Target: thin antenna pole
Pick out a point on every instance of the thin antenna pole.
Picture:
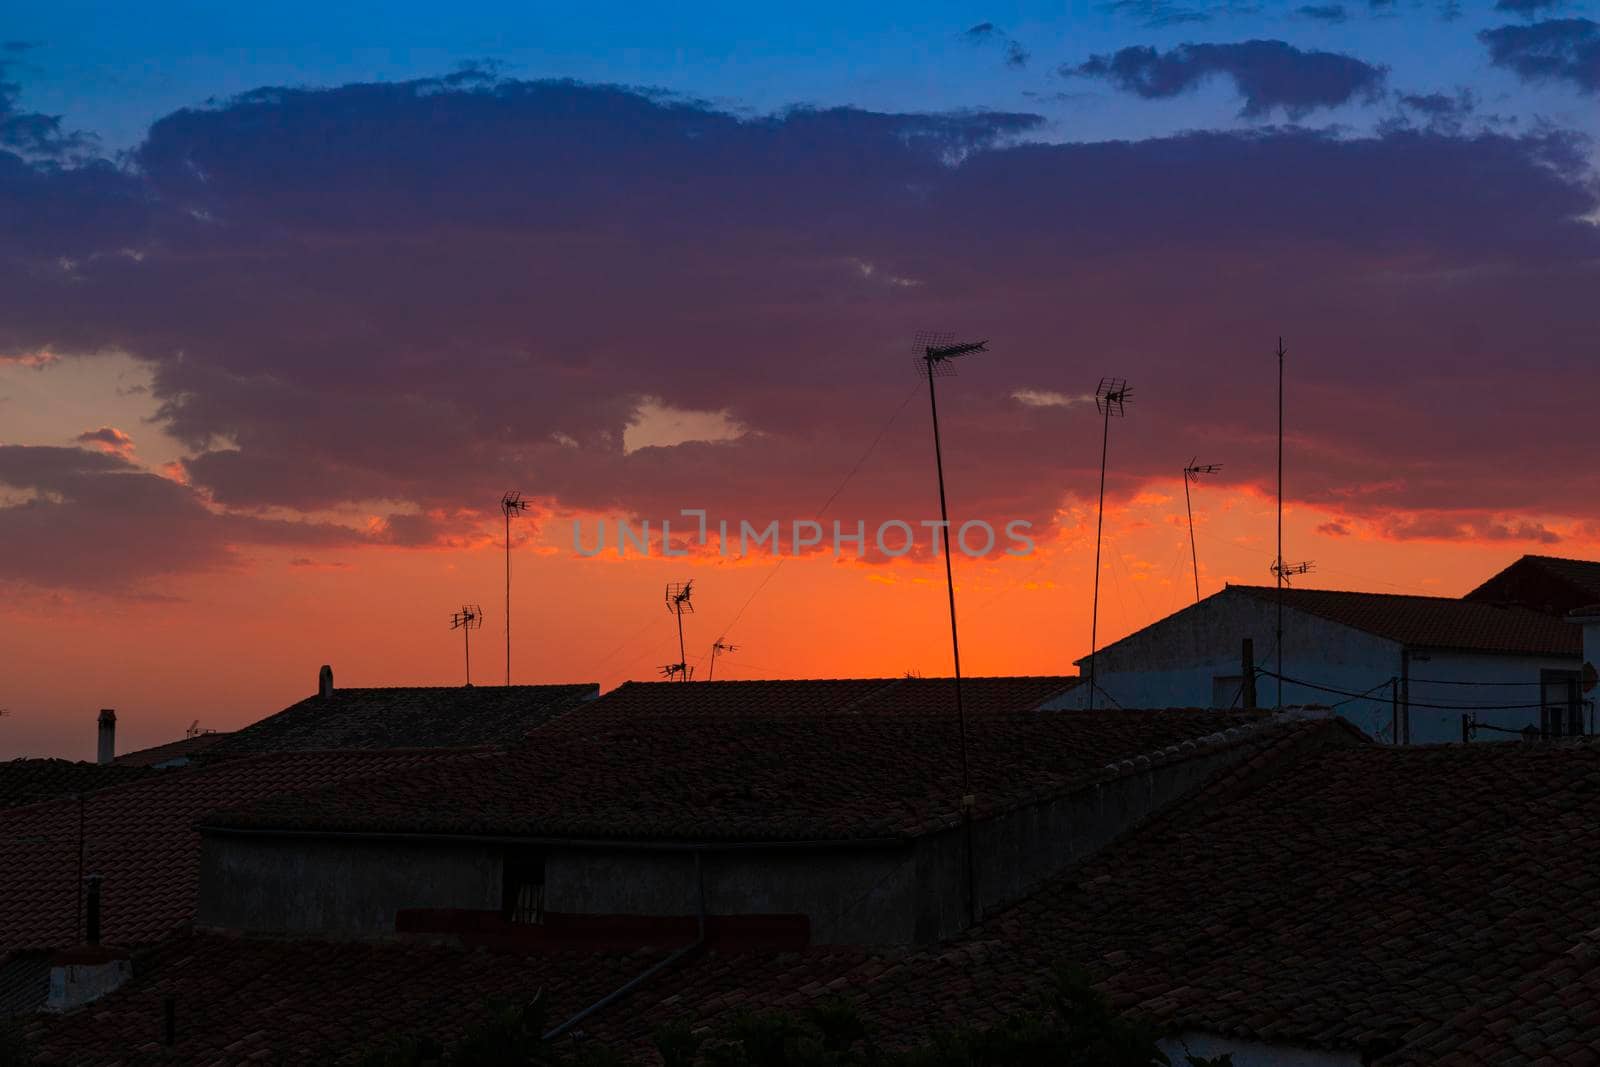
(508, 594)
(949, 583)
(1094, 613)
(1193, 554)
(1278, 644)
(682, 657)
(466, 643)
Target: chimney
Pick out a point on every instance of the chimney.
(325, 682)
(108, 735)
(90, 971)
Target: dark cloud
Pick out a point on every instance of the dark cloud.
(92, 520)
(1439, 105)
(1155, 13)
(1553, 50)
(1325, 12)
(428, 292)
(30, 133)
(1333, 529)
(1525, 7)
(1016, 55)
(1269, 74)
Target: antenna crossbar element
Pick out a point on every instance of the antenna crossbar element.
(679, 603)
(1283, 571)
(937, 351)
(1112, 397)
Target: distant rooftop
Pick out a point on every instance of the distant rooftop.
(1443, 623)
(843, 696)
(170, 753)
(408, 717)
(610, 770)
(1548, 584)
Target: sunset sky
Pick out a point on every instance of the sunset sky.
(290, 295)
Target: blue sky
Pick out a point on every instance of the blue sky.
(112, 69)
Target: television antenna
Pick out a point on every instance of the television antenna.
(1110, 399)
(1192, 473)
(468, 619)
(716, 647)
(511, 503)
(936, 353)
(1283, 571)
(679, 603)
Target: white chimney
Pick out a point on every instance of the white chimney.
(325, 682)
(108, 735)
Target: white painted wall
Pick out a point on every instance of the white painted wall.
(1252, 1053)
(1177, 662)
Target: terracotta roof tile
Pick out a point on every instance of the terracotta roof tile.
(1436, 622)
(139, 837)
(29, 781)
(610, 770)
(182, 748)
(408, 717)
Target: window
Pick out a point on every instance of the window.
(1562, 713)
(522, 892)
(1227, 691)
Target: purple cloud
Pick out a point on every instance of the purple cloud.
(428, 292)
(1269, 75)
(1554, 50)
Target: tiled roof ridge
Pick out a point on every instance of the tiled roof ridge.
(439, 688)
(1369, 593)
(1280, 737)
(235, 760)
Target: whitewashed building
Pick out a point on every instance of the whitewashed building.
(1412, 669)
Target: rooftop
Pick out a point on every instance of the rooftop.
(1316, 896)
(139, 837)
(1549, 584)
(29, 781)
(610, 770)
(182, 749)
(1442, 623)
(845, 696)
(408, 717)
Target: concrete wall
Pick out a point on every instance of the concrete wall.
(341, 887)
(1175, 663)
(1432, 678)
(1019, 850)
(851, 895)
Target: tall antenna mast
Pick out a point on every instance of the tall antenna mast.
(679, 604)
(510, 504)
(1192, 473)
(718, 646)
(1277, 566)
(469, 618)
(936, 356)
(1111, 398)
